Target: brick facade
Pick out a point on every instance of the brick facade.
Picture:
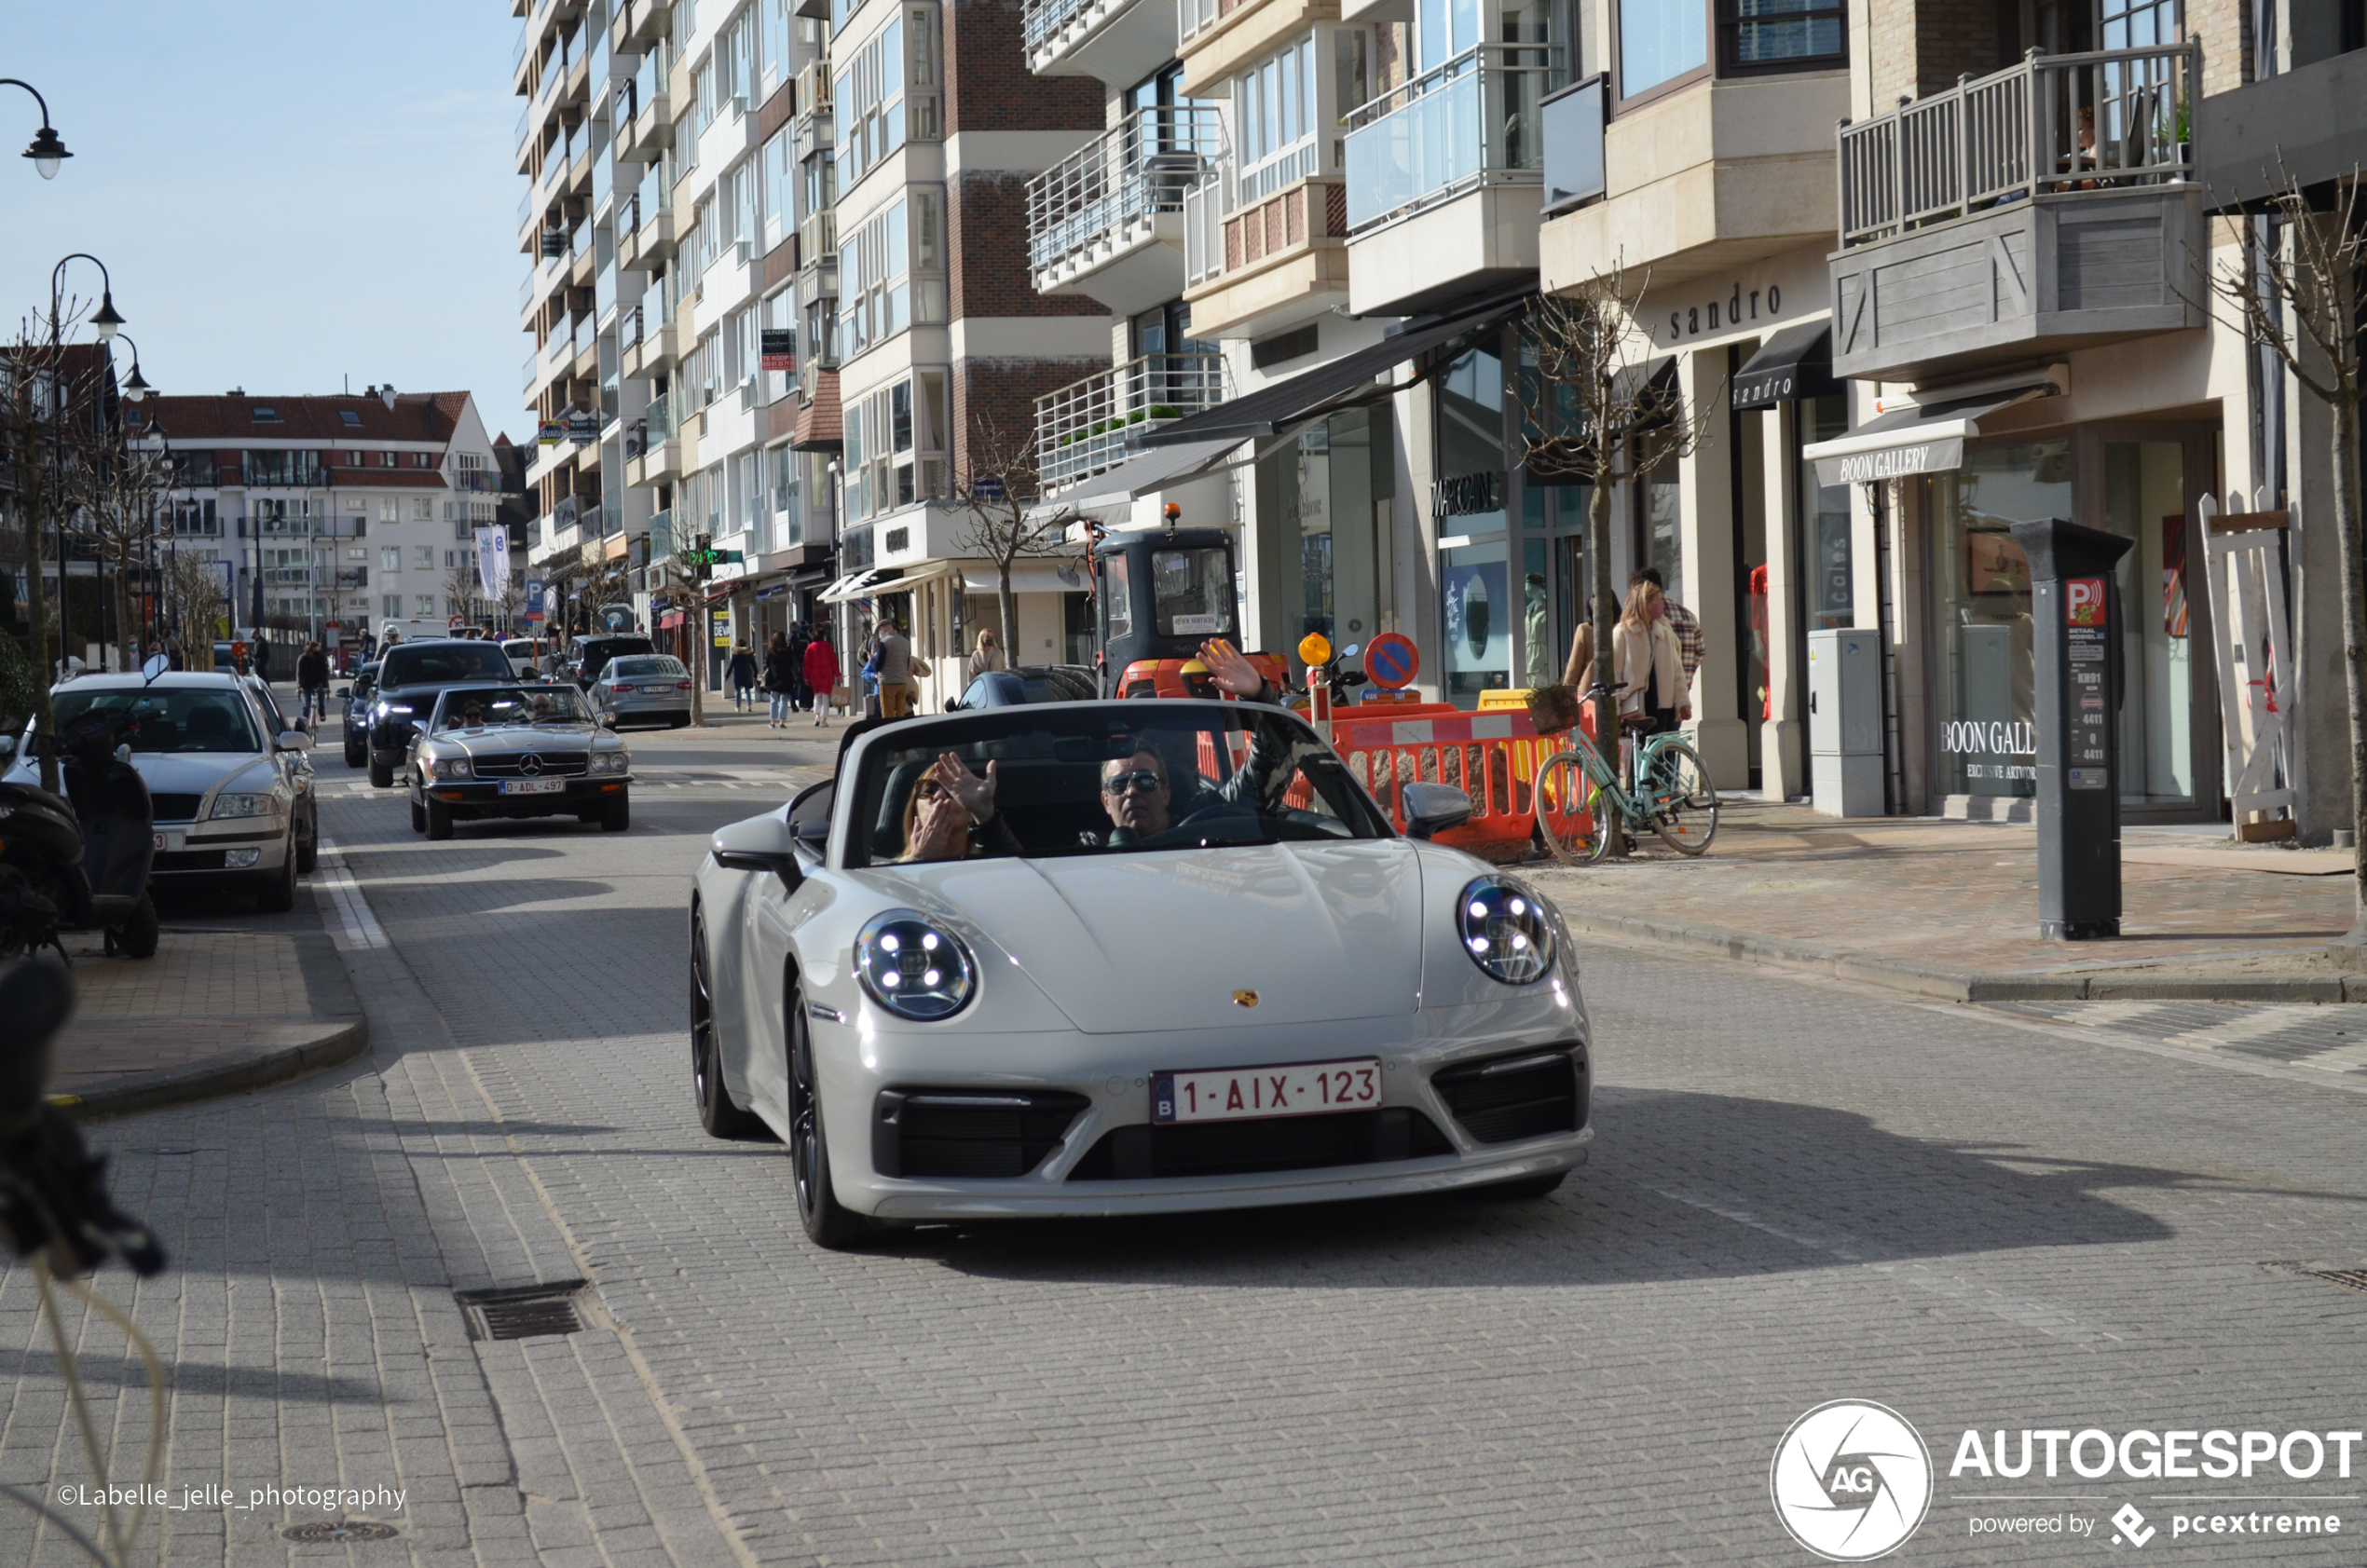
(999, 395)
(986, 252)
(988, 85)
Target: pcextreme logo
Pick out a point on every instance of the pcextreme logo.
(1851, 1481)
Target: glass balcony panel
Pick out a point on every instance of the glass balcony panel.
(1471, 122)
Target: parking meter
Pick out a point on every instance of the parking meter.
(2075, 647)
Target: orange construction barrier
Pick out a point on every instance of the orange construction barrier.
(1491, 755)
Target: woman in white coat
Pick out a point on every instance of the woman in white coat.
(1645, 654)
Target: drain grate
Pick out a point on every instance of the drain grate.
(2350, 1279)
(339, 1530)
(523, 1312)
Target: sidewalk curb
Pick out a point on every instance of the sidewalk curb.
(1776, 952)
(340, 1041)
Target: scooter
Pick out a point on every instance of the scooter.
(80, 861)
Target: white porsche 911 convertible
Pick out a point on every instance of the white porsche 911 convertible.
(1121, 957)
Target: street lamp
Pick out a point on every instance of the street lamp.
(135, 386)
(103, 320)
(47, 151)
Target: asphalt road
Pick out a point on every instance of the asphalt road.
(1800, 1193)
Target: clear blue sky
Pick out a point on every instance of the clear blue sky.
(286, 193)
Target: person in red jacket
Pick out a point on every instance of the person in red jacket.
(821, 673)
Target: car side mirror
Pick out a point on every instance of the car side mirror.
(1431, 808)
(295, 739)
(7, 745)
(344, 693)
(758, 844)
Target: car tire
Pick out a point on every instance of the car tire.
(307, 855)
(419, 815)
(278, 896)
(718, 1115)
(381, 774)
(357, 756)
(826, 1222)
(616, 815)
(137, 936)
(436, 821)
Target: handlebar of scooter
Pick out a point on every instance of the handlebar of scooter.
(53, 1191)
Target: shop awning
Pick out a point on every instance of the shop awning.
(851, 586)
(1028, 577)
(1138, 476)
(1926, 438)
(882, 579)
(1347, 379)
(1796, 363)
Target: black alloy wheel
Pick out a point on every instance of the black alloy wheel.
(717, 1113)
(826, 1222)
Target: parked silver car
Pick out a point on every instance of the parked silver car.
(642, 689)
(225, 788)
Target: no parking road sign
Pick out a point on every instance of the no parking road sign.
(1389, 658)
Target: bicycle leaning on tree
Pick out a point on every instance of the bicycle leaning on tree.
(1582, 800)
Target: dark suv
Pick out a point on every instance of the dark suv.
(587, 656)
(411, 677)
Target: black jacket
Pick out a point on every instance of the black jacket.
(781, 671)
(312, 672)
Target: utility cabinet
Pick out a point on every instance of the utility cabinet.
(1845, 721)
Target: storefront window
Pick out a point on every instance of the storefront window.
(2145, 500)
(1987, 740)
(1554, 520)
(1662, 529)
(1826, 571)
(1477, 620)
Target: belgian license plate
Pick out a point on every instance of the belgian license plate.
(533, 786)
(169, 842)
(1248, 1092)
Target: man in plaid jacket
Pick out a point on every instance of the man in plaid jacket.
(1684, 622)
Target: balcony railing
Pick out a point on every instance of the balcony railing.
(1224, 232)
(1140, 168)
(1472, 122)
(1044, 21)
(2074, 122)
(1094, 424)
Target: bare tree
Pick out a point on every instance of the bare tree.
(194, 596)
(1592, 412)
(1008, 520)
(464, 592)
(34, 405)
(117, 500)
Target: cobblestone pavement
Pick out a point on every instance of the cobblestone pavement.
(2325, 1039)
(1802, 1191)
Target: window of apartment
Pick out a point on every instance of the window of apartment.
(390, 559)
(779, 164)
(708, 384)
(392, 606)
(348, 417)
(707, 225)
(423, 510)
(281, 468)
(748, 491)
(388, 510)
(1276, 115)
(894, 452)
(734, 62)
(423, 606)
(891, 270)
(773, 46)
(451, 559)
(423, 558)
(1664, 42)
(887, 94)
(781, 465)
(460, 528)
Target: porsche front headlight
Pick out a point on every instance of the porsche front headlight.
(1506, 930)
(913, 967)
(244, 805)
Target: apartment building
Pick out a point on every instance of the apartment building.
(1920, 269)
(331, 517)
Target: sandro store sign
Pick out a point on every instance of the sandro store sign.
(1789, 288)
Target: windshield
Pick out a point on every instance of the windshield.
(1192, 591)
(645, 665)
(414, 662)
(507, 707)
(174, 720)
(1102, 780)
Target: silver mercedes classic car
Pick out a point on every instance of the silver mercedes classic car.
(498, 750)
(1101, 958)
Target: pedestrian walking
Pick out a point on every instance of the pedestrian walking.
(894, 661)
(742, 679)
(312, 682)
(262, 654)
(986, 659)
(801, 638)
(821, 675)
(780, 679)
